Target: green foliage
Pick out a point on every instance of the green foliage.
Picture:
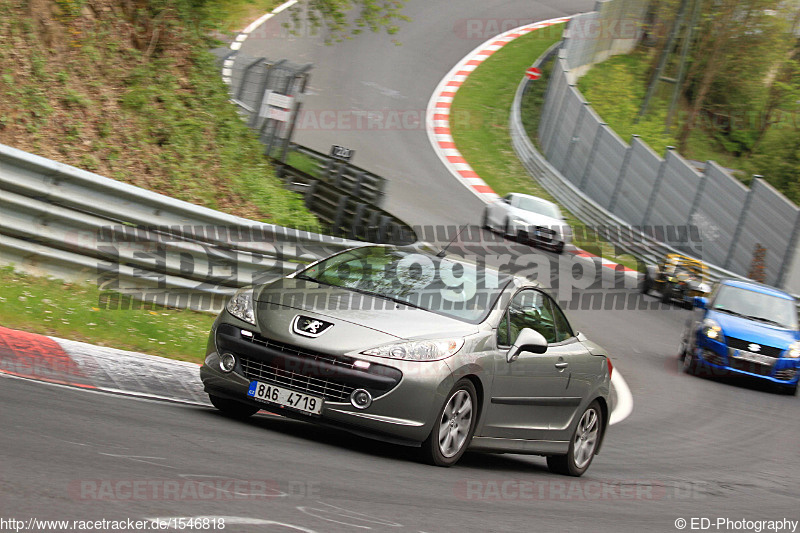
(616, 89)
(334, 16)
(70, 8)
(72, 311)
(479, 125)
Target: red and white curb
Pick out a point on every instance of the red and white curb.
(100, 369)
(77, 364)
(438, 112)
(236, 45)
(438, 122)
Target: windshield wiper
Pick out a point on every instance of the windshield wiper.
(315, 280)
(767, 320)
(386, 297)
(730, 312)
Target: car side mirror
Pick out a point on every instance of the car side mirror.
(528, 340)
(700, 302)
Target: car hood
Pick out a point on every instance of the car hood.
(537, 219)
(753, 330)
(359, 321)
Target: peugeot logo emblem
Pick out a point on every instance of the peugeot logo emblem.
(753, 347)
(310, 327)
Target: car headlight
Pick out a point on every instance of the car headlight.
(418, 350)
(712, 330)
(793, 352)
(518, 222)
(241, 305)
(704, 287)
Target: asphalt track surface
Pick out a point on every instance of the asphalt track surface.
(692, 447)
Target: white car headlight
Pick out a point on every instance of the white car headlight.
(516, 221)
(713, 330)
(418, 350)
(241, 305)
(793, 352)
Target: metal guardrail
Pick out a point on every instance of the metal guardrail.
(61, 221)
(628, 238)
(344, 211)
(369, 187)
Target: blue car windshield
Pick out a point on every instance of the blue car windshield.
(755, 305)
(452, 288)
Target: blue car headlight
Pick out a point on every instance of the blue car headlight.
(793, 352)
(712, 330)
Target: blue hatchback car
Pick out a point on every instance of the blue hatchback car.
(745, 328)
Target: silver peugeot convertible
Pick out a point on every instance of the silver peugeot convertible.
(417, 349)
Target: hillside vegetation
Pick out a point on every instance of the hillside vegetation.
(739, 97)
(128, 89)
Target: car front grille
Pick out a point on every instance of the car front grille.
(741, 344)
(750, 366)
(543, 233)
(713, 357)
(288, 349)
(328, 388)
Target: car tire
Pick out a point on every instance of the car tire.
(688, 362)
(454, 426)
(583, 444)
(666, 294)
(485, 220)
(559, 248)
(646, 284)
(232, 408)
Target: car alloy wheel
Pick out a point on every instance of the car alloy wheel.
(583, 445)
(454, 426)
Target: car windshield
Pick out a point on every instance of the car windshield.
(755, 305)
(541, 207)
(459, 290)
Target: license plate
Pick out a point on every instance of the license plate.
(267, 392)
(754, 357)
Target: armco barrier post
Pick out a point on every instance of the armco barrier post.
(656, 186)
(574, 139)
(621, 177)
(788, 257)
(738, 233)
(701, 186)
(590, 161)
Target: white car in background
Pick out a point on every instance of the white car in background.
(528, 218)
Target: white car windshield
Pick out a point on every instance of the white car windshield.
(540, 207)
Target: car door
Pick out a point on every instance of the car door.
(534, 396)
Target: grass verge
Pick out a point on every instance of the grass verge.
(70, 311)
(479, 126)
(616, 88)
